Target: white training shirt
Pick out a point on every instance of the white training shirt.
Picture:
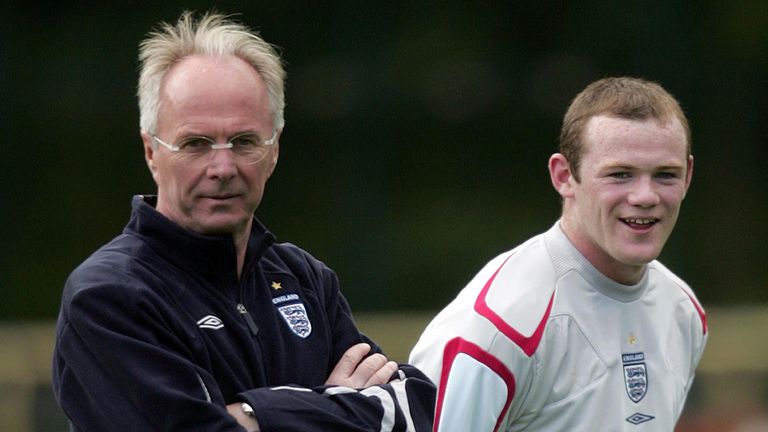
(540, 340)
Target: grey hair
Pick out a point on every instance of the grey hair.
(214, 35)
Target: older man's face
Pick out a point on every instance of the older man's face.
(219, 98)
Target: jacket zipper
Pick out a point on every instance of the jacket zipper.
(248, 320)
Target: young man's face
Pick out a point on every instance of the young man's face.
(634, 175)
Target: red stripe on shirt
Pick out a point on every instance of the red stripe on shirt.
(699, 309)
(527, 343)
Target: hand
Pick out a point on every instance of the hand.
(249, 423)
(354, 373)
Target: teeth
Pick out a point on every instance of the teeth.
(639, 221)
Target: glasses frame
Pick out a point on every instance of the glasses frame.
(213, 146)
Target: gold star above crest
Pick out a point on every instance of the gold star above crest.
(632, 339)
(277, 285)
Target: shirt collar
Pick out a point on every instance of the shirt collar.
(566, 257)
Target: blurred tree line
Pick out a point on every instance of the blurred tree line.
(416, 141)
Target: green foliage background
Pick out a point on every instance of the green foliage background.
(416, 140)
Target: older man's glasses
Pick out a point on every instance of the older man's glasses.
(249, 146)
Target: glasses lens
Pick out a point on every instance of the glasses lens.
(249, 146)
(195, 145)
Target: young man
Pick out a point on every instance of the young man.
(194, 318)
(580, 328)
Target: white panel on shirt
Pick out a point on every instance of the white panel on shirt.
(519, 301)
(466, 410)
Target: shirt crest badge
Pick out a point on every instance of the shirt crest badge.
(295, 315)
(635, 376)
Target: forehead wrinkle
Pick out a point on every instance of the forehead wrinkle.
(194, 131)
(222, 95)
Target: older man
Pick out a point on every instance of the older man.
(194, 318)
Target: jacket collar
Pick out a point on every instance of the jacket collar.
(213, 256)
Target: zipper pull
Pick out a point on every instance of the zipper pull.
(248, 320)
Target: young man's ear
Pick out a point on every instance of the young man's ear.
(561, 176)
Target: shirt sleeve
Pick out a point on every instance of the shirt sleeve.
(475, 389)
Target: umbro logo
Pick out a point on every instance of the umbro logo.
(210, 322)
(638, 418)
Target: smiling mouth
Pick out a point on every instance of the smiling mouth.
(639, 223)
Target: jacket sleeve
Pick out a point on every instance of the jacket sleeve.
(344, 329)
(118, 365)
(405, 404)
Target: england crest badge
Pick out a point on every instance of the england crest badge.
(295, 315)
(635, 376)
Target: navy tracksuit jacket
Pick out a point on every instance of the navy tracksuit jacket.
(157, 333)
